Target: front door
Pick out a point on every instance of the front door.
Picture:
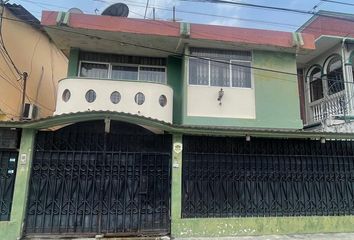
(87, 182)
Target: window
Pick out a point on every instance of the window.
(125, 72)
(139, 98)
(152, 74)
(198, 71)
(90, 96)
(335, 80)
(221, 68)
(94, 70)
(241, 74)
(219, 74)
(163, 100)
(316, 87)
(115, 97)
(66, 95)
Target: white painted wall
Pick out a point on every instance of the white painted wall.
(103, 88)
(236, 102)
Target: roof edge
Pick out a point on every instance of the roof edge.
(72, 118)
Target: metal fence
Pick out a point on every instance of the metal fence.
(230, 177)
(8, 165)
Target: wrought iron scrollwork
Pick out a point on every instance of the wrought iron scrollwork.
(8, 165)
(230, 177)
(87, 182)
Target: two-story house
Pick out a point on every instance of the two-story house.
(181, 130)
(326, 80)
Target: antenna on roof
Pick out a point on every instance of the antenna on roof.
(75, 10)
(117, 10)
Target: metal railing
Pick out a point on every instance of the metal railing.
(325, 108)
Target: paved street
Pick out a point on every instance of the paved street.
(338, 236)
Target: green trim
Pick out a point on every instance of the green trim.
(185, 29)
(73, 67)
(65, 119)
(66, 18)
(229, 227)
(176, 186)
(174, 79)
(13, 229)
(60, 17)
(351, 58)
(185, 72)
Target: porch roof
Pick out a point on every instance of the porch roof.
(71, 118)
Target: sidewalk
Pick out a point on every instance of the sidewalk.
(334, 236)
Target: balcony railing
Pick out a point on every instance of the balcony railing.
(141, 98)
(325, 108)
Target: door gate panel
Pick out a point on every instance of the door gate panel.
(8, 165)
(230, 177)
(85, 182)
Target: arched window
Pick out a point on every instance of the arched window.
(335, 80)
(316, 87)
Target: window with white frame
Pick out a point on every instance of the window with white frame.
(122, 67)
(122, 72)
(316, 86)
(94, 70)
(221, 68)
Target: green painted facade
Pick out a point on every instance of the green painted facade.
(230, 227)
(12, 229)
(73, 62)
(196, 227)
(276, 95)
(175, 80)
(277, 106)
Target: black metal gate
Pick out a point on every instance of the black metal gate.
(8, 165)
(230, 177)
(87, 182)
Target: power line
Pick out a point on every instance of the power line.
(338, 2)
(255, 6)
(161, 50)
(133, 3)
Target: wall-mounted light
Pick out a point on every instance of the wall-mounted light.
(221, 94)
(248, 138)
(323, 140)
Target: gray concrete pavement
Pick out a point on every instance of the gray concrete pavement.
(336, 236)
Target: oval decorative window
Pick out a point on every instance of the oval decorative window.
(163, 100)
(90, 96)
(66, 95)
(139, 98)
(115, 97)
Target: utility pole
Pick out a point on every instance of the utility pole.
(174, 13)
(146, 8)
(25, 75)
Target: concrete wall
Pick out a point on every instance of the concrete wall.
(34, 53)
(127, 89)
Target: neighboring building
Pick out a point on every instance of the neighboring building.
(327, 85)
(31, 51)
(176, 129)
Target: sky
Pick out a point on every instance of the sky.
(223, 14)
